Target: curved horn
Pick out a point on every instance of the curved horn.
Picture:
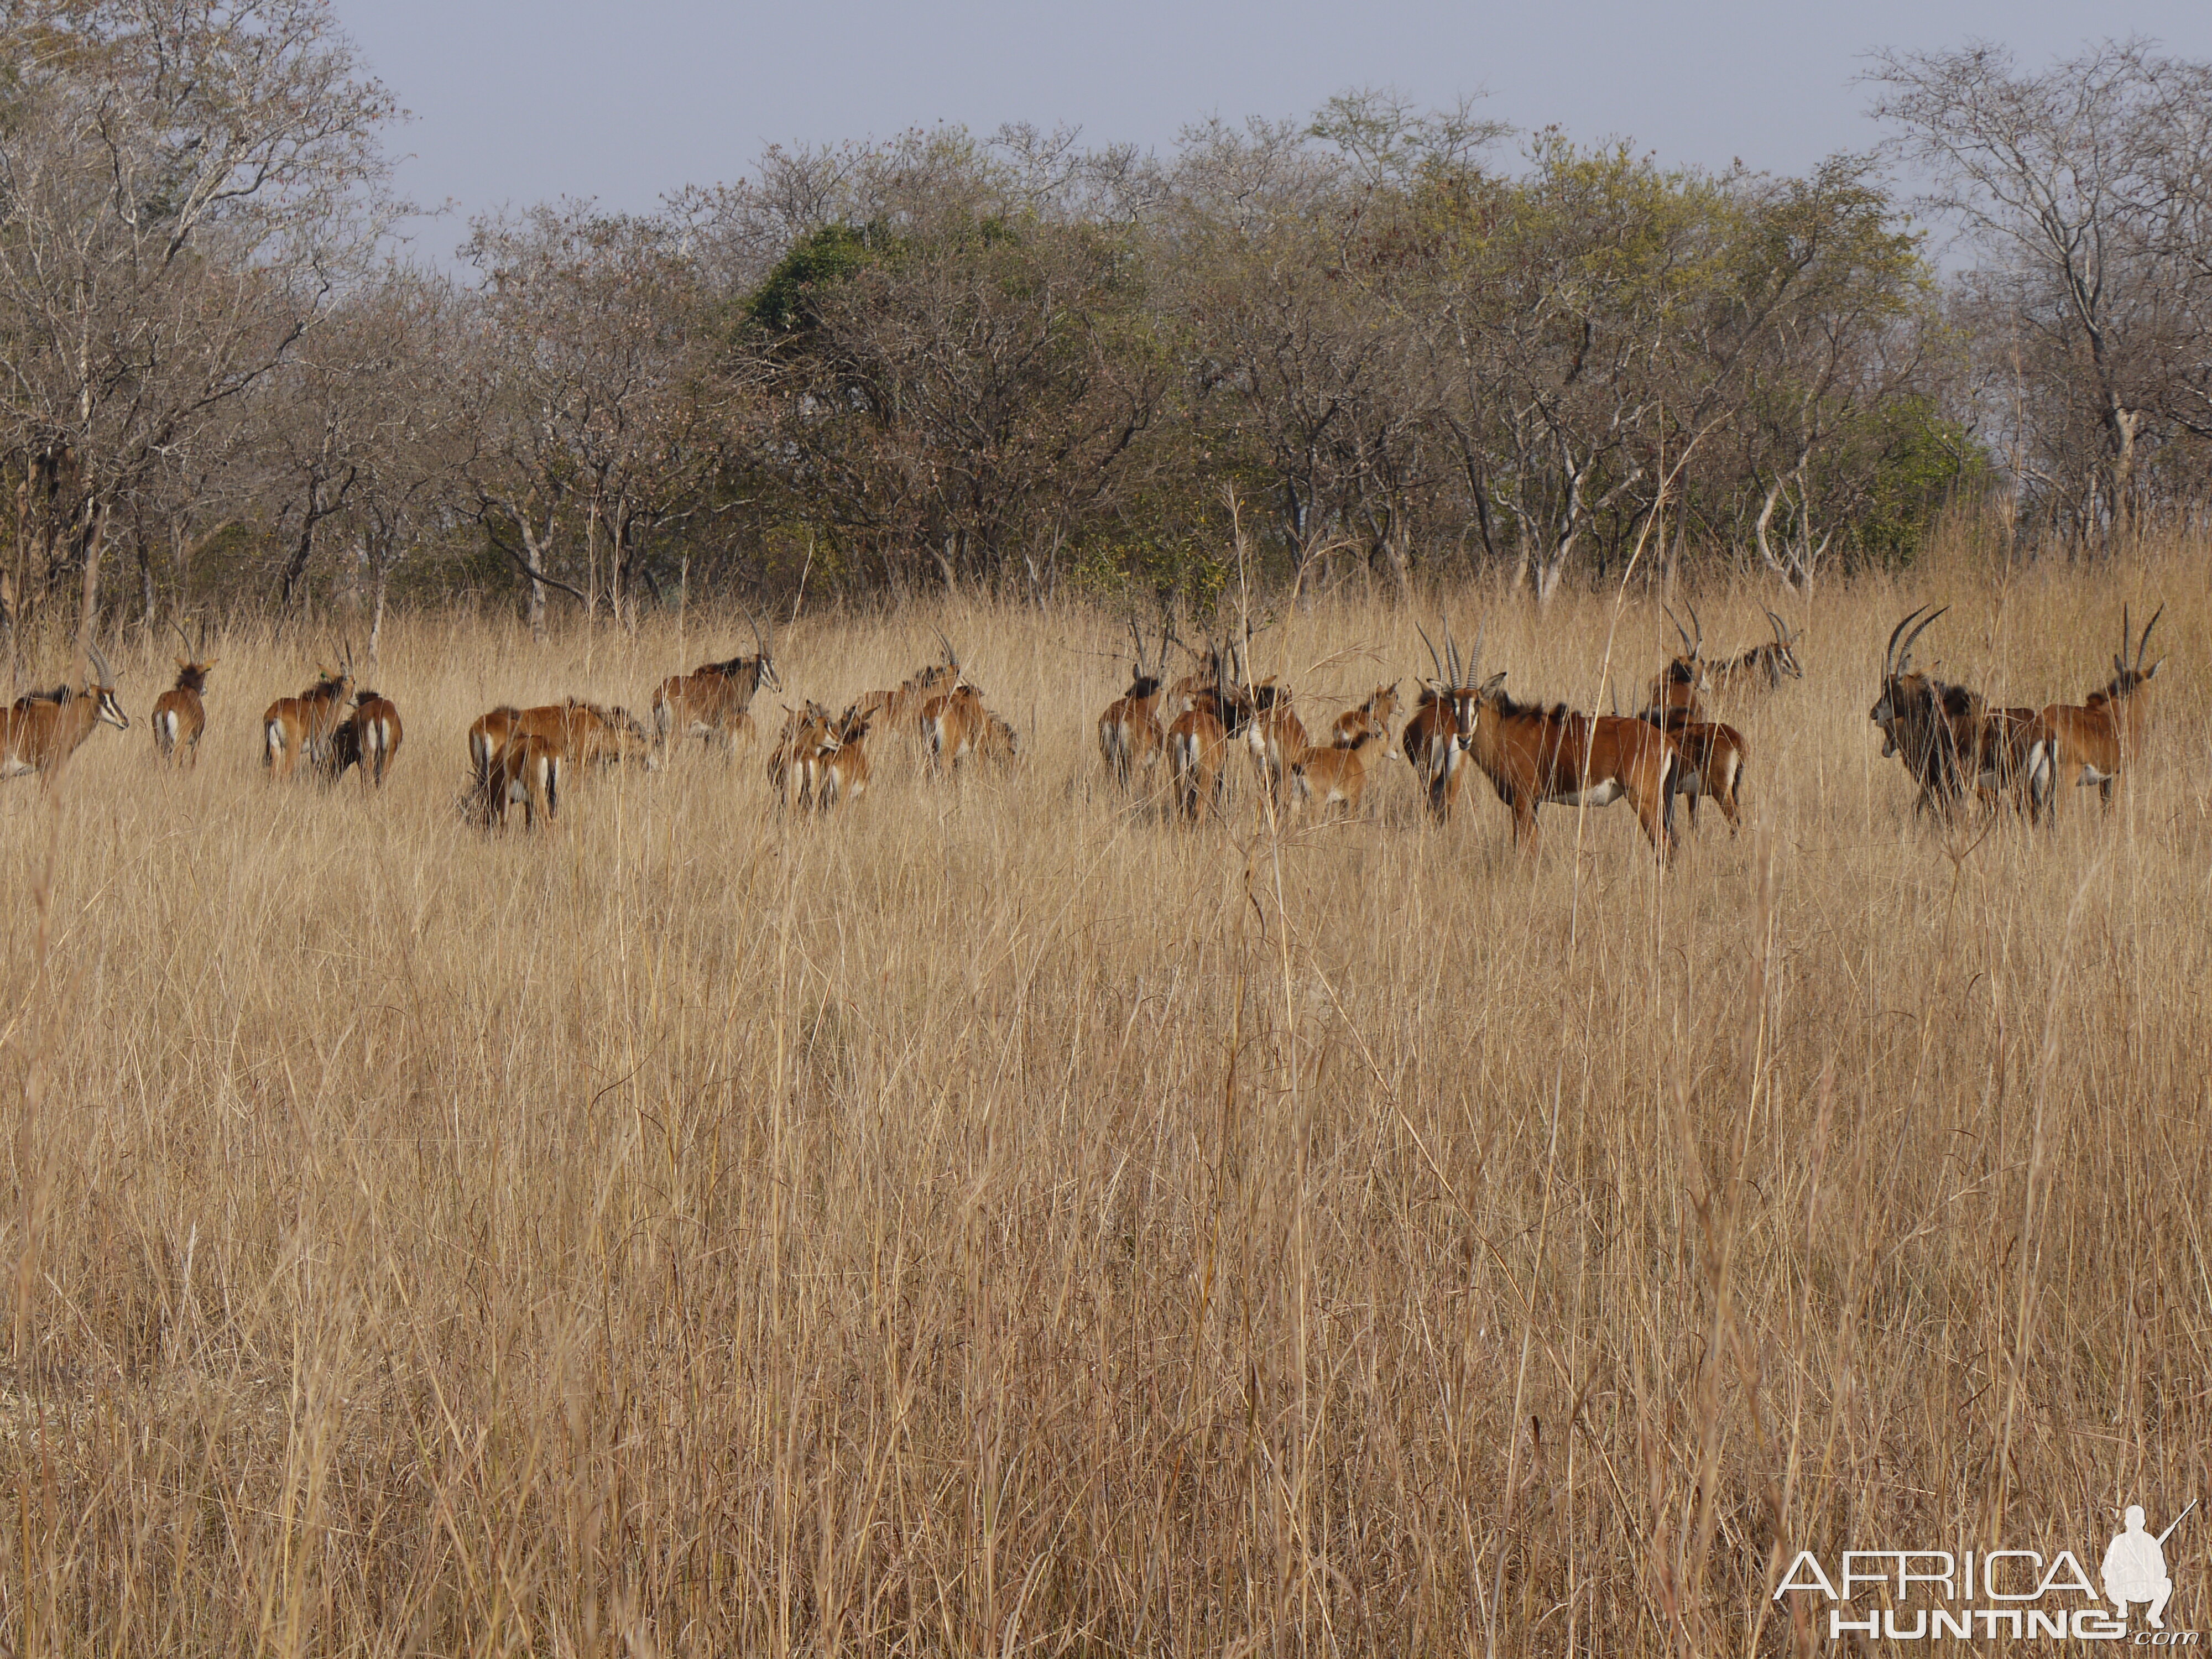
(759, 645)
(1451, 655)
(1781, 627)
(1889, 655)
(1474, 662)
(1698, 644)
(99, 663)
(1688, 644)
(2127, 640)
(1435, 661)
(2144, 644)
(951, 656)
(190, 654)
(1904, 652)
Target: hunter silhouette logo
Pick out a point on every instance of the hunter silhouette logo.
(2135, 1567)
(1926, 1595)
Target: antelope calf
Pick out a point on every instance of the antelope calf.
(39, 733)
(1371, 717)
(1711, 763)
(805, 728)
(180, 717)
(1335, 775)
(837, 763)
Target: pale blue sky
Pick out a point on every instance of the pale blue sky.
(516, 100)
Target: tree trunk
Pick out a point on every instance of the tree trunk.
(88, 616)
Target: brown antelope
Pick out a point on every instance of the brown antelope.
(1372, 717)
(525, 772)
(1532, 754)
(368, 737)
(1129, 734)
(1679, 687)
(715, 699)
(583, 733)
(836, 764)
(180, 717)
(292, 727)
(1923, 719)
(2092, 741)
(1431, 737)
(1277, 736)
(1710, 762)
(1198, 739)
(1336, 775)
(39, 733)
(804, 730)
(1754, 673)
(1000, 744)
(952, 722)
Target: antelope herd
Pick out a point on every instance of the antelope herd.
(1948, 738)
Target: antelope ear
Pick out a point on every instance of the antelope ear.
(1492, 685)
(181, 663)
(2151, 671)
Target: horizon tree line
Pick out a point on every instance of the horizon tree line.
(1384, 343)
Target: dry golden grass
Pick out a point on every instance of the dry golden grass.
(999, 1221)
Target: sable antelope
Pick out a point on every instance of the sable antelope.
(369, 738)
(1923, 719)
(1129, 734)
(715, 699)
(1198, 739)
(952, 722)
(2094, 740)
(1678, 687)
(1760, 670)
(804, 730)
(180, 717)
(1710, 762)
(837, 763)
(583, 733)
(1276, 734)
(1000, 744)
(1431, 740)
(1532, 754)
(302, 726)
(1372, 717)
(1336, 775)
(525, 772)
(39, 733)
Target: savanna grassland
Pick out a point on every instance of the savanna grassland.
(1000, 1220)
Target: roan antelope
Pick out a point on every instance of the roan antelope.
(1532, 754)
(2094, 740)
(1129, 735)
(368, 737)
(39, 733)
(292, 727)
(715, 699)
(180, 717)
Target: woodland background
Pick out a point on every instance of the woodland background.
(1400, 341)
